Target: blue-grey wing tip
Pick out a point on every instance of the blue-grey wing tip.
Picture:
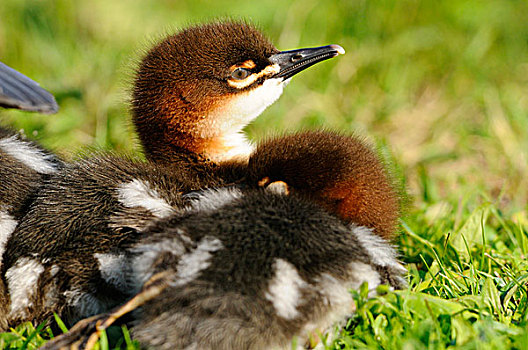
(20, 92)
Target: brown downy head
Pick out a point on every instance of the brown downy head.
(197, 89)
(339, 172)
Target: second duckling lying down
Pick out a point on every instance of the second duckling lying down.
(257, 271)
(249, 269)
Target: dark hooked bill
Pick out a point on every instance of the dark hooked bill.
(294, 61)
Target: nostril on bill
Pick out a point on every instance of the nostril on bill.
(296, 57)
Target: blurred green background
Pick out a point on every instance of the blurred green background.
(440, 85)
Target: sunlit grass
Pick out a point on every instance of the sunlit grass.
(442, 85)
(468, 286)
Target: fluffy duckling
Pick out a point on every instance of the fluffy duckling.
(250, 268)
(255, 273)
(23, 166)
(193, 94)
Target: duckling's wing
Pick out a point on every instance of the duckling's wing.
(18, 91)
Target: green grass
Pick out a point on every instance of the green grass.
(441, 86)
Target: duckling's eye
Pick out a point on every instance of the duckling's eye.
(240, 73)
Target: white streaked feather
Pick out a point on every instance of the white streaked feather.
(213, 199)
(284, 290)
(191, 264)
(361, 273)
(138, 194)
(22, 280)
(378, 249)
(28, 154)
(113, 269)
(7, 226)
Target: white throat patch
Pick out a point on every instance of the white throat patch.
(229, 119)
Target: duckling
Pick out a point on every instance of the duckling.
(20, 92)
(193, 94)
(265, 267)
(255, 273)
(24, 167)
(250, 268)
